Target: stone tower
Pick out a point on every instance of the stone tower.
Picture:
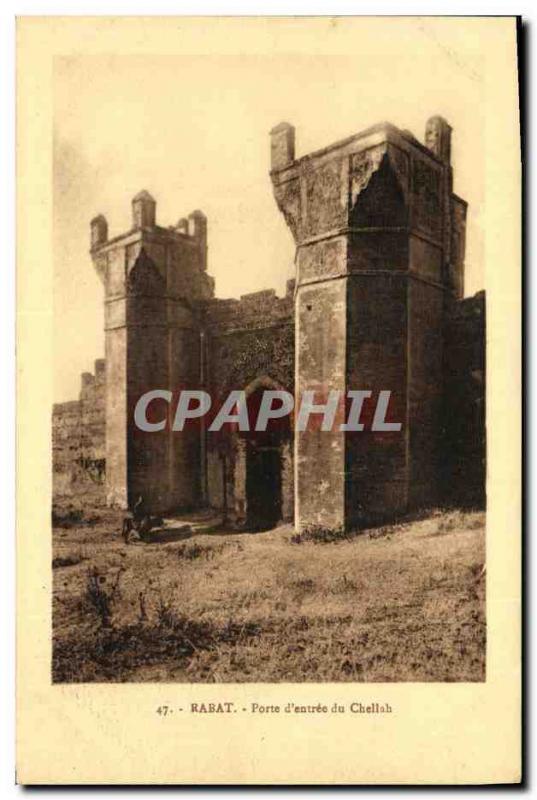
(379, 255)
(154, 279)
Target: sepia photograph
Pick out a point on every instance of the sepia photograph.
(269, 445)
(269, 419)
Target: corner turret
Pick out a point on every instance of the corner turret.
(198, 230)
(144, 210)
(282, 146)
(98, 231)
(438, 138)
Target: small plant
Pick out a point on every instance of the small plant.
(143, 612)
(68, 560)
(321, 535)
(452, 521)
(165, 615)
(102, 593)
(190, 552)
(344, 585)
(67, 517)
(73, 517)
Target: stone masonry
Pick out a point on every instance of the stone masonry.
(377, 304)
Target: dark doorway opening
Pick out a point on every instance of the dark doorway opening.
(263, 487)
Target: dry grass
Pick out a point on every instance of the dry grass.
(401, 603)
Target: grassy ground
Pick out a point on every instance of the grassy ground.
(400, 603)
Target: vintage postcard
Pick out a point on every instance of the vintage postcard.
(269, 494)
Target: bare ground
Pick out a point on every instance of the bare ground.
(198, 604)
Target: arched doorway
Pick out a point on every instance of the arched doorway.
(264, 462)
(250, 473)
(263, 486)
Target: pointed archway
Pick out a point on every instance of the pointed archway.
(264, 455)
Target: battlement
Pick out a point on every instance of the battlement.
(89, 383)
(193, 227)
(379, 199)
(65, 408)
(260, 309)
(169, 263)
(437, 142)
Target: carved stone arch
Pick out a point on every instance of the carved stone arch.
(378, 196)
(144, 278)
(264, 464)
(263, 382)
(268, 353)
(288, 199)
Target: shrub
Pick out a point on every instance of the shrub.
(321, 535)
(101, 594)
(191, 552)
(67, 517)
(69, 560)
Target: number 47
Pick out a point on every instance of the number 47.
(163, 710)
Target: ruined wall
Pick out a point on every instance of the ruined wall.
(464, 428)
(250, 337)
(78, 440)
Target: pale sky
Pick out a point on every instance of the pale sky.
(194, 131)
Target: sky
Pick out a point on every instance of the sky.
(194, 131)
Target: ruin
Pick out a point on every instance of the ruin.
(377, 303)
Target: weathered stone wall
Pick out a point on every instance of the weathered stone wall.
(65, 446)
(424, 393)
(464, 428)
(78, 440)
(377, 462)
(251, 337)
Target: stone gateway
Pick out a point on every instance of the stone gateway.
(377, 304)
